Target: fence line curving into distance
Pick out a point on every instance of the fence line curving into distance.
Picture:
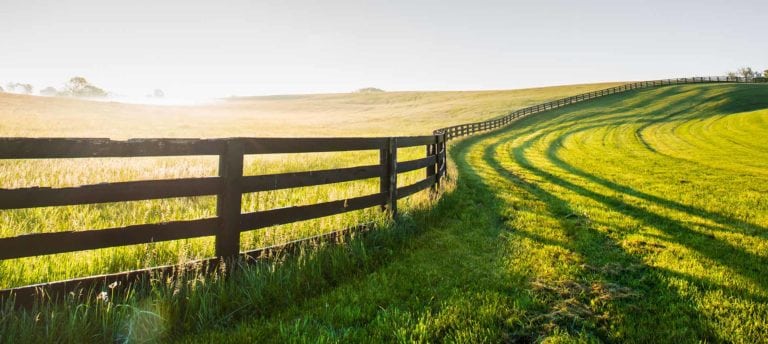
(472, 128)
(228, 188)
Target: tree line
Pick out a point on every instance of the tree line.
(749, 74)
(76, 87)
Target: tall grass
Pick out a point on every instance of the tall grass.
(198, 300)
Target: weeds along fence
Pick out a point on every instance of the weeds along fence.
(228, 187)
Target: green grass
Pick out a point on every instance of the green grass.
(634, 218)
(199, 302)
(399, 113)
(639, 217)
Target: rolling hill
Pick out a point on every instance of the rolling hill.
(635, 217)
(638, 217)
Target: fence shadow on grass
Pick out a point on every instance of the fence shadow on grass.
(740, 261)
(673, 107)
(723, 220)
(606, 264)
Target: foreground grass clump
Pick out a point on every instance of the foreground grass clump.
(635, 218)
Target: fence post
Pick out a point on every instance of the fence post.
(384, 177)
(432, 151)
(228, 201)
(392, 174)
(441, 156)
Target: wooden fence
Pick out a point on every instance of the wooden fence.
(472, 128)
(228, 187)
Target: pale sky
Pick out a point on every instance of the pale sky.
(221, 48)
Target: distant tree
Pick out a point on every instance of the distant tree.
(75, 85)
(79, 87)
(27, 88)
(765, 73)
(48, 91)
(19, 87)
(370, 90)
(746, 72)
(1, 89)
(158, 93)
(91, 91)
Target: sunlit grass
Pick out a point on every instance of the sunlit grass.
(16, 272)
(640, 217)
(351, 114)
(199, 302)
(343, 114)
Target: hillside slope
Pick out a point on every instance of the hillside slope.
(639, 217)
(352, 114)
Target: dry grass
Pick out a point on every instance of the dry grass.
(352, 114)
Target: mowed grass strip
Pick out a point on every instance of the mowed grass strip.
(640, 217)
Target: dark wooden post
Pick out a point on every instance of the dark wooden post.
(442, 158)
(432, 150)
(229, 200)
(392, 174)
(384, 178)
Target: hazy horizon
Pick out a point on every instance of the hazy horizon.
(197, 50)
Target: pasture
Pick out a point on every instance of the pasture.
(638, 217)
(345, 115)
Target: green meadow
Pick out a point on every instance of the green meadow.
(637, 217)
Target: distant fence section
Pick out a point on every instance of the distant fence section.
(229, 186)
(472, 128)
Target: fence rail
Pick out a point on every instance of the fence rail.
(229, 186)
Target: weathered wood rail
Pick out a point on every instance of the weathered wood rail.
(228, 187)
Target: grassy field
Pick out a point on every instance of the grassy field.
(169, 301)
(413, 113)
(348, 114)
(640, 217)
